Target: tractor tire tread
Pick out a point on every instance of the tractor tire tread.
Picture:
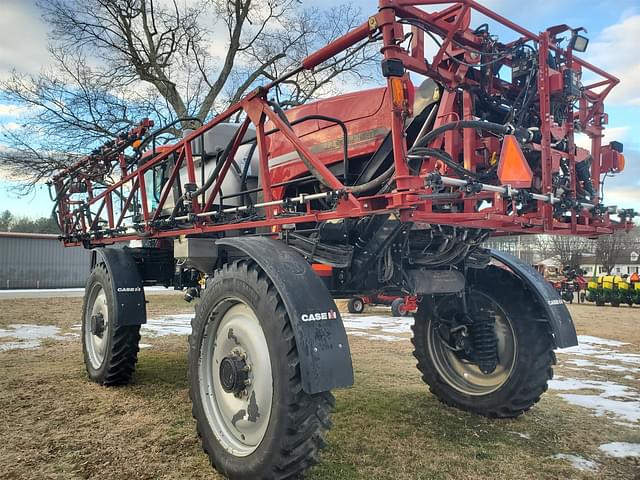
(124, 347)
(534, 379)
(308, 416)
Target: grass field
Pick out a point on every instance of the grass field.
(56, 425)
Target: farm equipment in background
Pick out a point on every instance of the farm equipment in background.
(391, 189)
(400, 306)
(614, 289)
(634, 288)
(570, 285)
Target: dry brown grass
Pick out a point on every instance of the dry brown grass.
(56, 425)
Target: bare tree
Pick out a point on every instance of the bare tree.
(569, 249)
(609, 248)
(116, 61)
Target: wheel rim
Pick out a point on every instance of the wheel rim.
(239, 420)
(464, 376)
(358, 306)
(97, 326)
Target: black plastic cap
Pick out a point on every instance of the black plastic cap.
(616, 146)
(392, 67)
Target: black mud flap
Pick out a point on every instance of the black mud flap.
(323, 347)
(126, 285)
(564, 332)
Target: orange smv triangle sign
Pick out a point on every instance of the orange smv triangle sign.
(513, 168)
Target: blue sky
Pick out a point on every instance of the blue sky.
(613, 28)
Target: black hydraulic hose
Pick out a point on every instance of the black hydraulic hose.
(376, 182)
(245, 173)
(165, 129)
(345, 135)
(425, 139)
(208, 183)
(56, 203)
(446, 158)
(312, 169)
(479, 124)
(355, 189)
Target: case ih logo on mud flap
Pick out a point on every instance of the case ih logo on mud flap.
(555, 302)
(128, 289)
(313, 317)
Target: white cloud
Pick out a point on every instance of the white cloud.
(615, 49)
(11, 126)
(23, 38)
(11, 110)
(620, 134)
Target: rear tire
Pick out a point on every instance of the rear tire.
(355, 305)
(506, 392)
(397, 308)
(271, 429)
(110, 351)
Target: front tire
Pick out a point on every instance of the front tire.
(253, 417)
(110, 351)
(524, 348)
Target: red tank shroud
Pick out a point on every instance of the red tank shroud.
(364, 115)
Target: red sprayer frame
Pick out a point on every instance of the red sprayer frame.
(411, 199)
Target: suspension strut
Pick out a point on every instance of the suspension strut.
(482, 334)
(485, 341)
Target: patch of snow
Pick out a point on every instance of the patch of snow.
(29, 332)
(621, 357)
(621, 449)
(28, 345)
(42, 290)
(145, 345)
(373, 336)
(600, 341)
(577, 462)
(168, 325)
(629, 411)
(581, 362)
(615, 368)
(609, 389)
(526, 436)
(618, 401)
(29, 336)
(385, 324)
(601, 352)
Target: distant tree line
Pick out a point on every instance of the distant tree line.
(11, 223)
(569, 250)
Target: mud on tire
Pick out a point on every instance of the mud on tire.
(297, 421)
(534, 357)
